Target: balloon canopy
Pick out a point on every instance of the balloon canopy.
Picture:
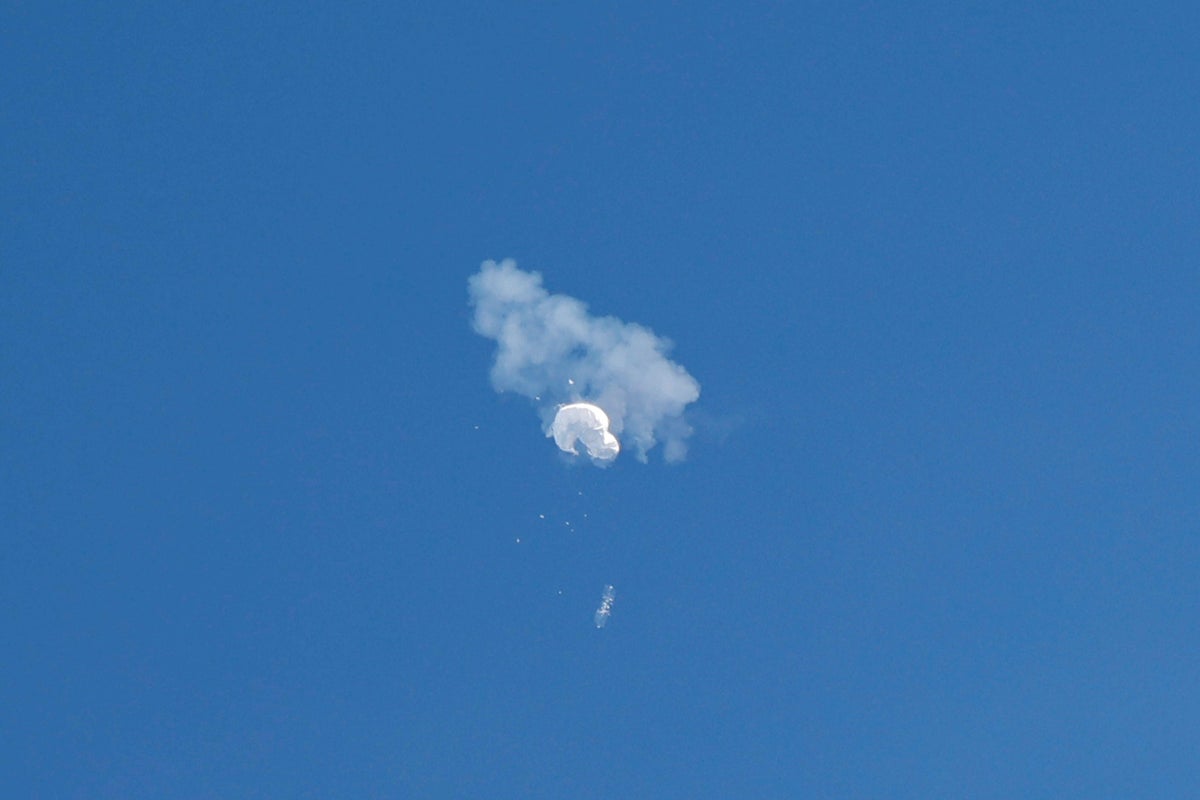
(586, 424)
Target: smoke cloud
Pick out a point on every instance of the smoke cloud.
(551, 350)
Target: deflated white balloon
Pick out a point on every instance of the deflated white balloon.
(588, 425)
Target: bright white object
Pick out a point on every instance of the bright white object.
(586, 424)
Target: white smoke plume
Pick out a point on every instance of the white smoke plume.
(551, 350)
(606, 604)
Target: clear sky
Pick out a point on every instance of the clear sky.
(269, 532)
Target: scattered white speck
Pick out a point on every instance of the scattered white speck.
(570, 382)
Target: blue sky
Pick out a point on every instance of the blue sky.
(936, 268)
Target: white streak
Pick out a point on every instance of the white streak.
(606, 604)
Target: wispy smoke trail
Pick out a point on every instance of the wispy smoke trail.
(551, 350)
(606, 603)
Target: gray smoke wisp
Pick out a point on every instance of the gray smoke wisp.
(551, 350)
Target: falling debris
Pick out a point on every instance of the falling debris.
(550, 349)
(606, 603)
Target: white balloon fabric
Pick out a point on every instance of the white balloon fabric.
(585, 424)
